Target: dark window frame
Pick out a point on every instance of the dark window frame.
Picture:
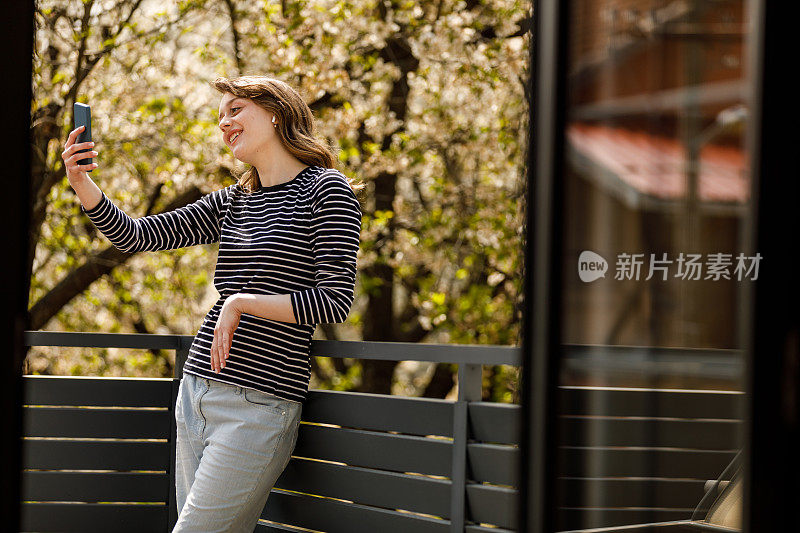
(772, 417)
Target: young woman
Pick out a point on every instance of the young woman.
(288, 234)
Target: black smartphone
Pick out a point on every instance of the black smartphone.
(82, 114)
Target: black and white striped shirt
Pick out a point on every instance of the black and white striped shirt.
(299, 238)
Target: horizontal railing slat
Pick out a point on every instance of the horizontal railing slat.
(686, 494)
(95, 486)
(494, 422)
(386, 451)
(95, 455)
(367, 486)
(492, 463)
(276, 528)
(599, 401)
(652, 462)
(96, 391)
(471, 528)
(85, 339)
(704, 435)
(375, 350)
(572, 519)
(404, 351)
(619, 361)
(633, 492)
(93, 518)
(96, 423)
(492, 505)
(413, 416)
(334, 516)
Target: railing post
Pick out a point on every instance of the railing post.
(181, 354)
(180, 357)
(469, 390)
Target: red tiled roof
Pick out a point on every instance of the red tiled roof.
(656, 166)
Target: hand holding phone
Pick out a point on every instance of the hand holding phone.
(71, 154)
(82, 116)
(79, 144)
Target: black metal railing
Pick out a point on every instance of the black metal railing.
(448, 465)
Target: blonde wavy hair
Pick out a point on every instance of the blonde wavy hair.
(296, 127)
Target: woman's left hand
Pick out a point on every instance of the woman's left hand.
(227, 322)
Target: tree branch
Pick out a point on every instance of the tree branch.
(235, 34)
(489, 33)
(95, 267)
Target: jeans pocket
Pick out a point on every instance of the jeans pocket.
(268, 401)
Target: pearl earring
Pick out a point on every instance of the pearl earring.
(273, 121)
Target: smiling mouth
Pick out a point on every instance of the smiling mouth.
(235, 137)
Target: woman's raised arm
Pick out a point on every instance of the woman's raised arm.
(196, 223)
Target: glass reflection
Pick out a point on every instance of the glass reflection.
(657, 196)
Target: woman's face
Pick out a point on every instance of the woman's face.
(252, 123)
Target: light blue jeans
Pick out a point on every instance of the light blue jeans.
(232, 445)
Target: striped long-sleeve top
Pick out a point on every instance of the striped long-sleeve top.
(300, 237)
